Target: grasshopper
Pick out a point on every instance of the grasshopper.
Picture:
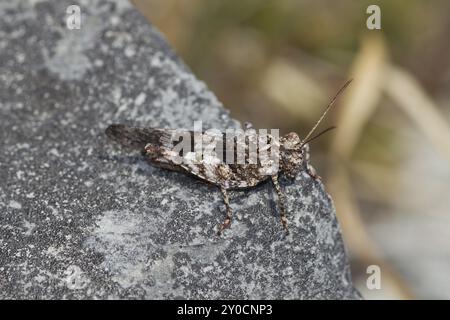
(292, 156)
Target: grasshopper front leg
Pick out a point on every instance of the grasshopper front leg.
(309, 168)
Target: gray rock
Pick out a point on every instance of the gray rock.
(81, 218)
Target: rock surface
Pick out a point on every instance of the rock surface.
(80, 218)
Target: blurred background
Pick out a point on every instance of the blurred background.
(277, 63)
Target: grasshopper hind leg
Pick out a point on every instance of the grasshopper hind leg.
(227, 222)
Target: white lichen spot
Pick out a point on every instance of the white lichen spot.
(75, 278)
(114, 20)
(20, 57)
(29, 227)
(15, 205)
(162, 270)
(116, 94)
(20, 174)
(207, 269)
(23, 146)
(140, 99)
(53, 251)
(54, 152)
(288, 271)
(122, 108)
(98, 63)
(129, 52)
(156, 60)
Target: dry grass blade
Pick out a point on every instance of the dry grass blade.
(409, 95)
(362, 97)
(358, 104)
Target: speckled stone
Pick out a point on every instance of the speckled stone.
(81, 218)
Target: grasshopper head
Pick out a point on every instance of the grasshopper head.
(292, 154)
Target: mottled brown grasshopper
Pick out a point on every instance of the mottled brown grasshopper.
(288, 155)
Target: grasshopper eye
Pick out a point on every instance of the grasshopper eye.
(291, 141)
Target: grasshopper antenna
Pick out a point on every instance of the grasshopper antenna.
(318, 135)
(307, 138)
